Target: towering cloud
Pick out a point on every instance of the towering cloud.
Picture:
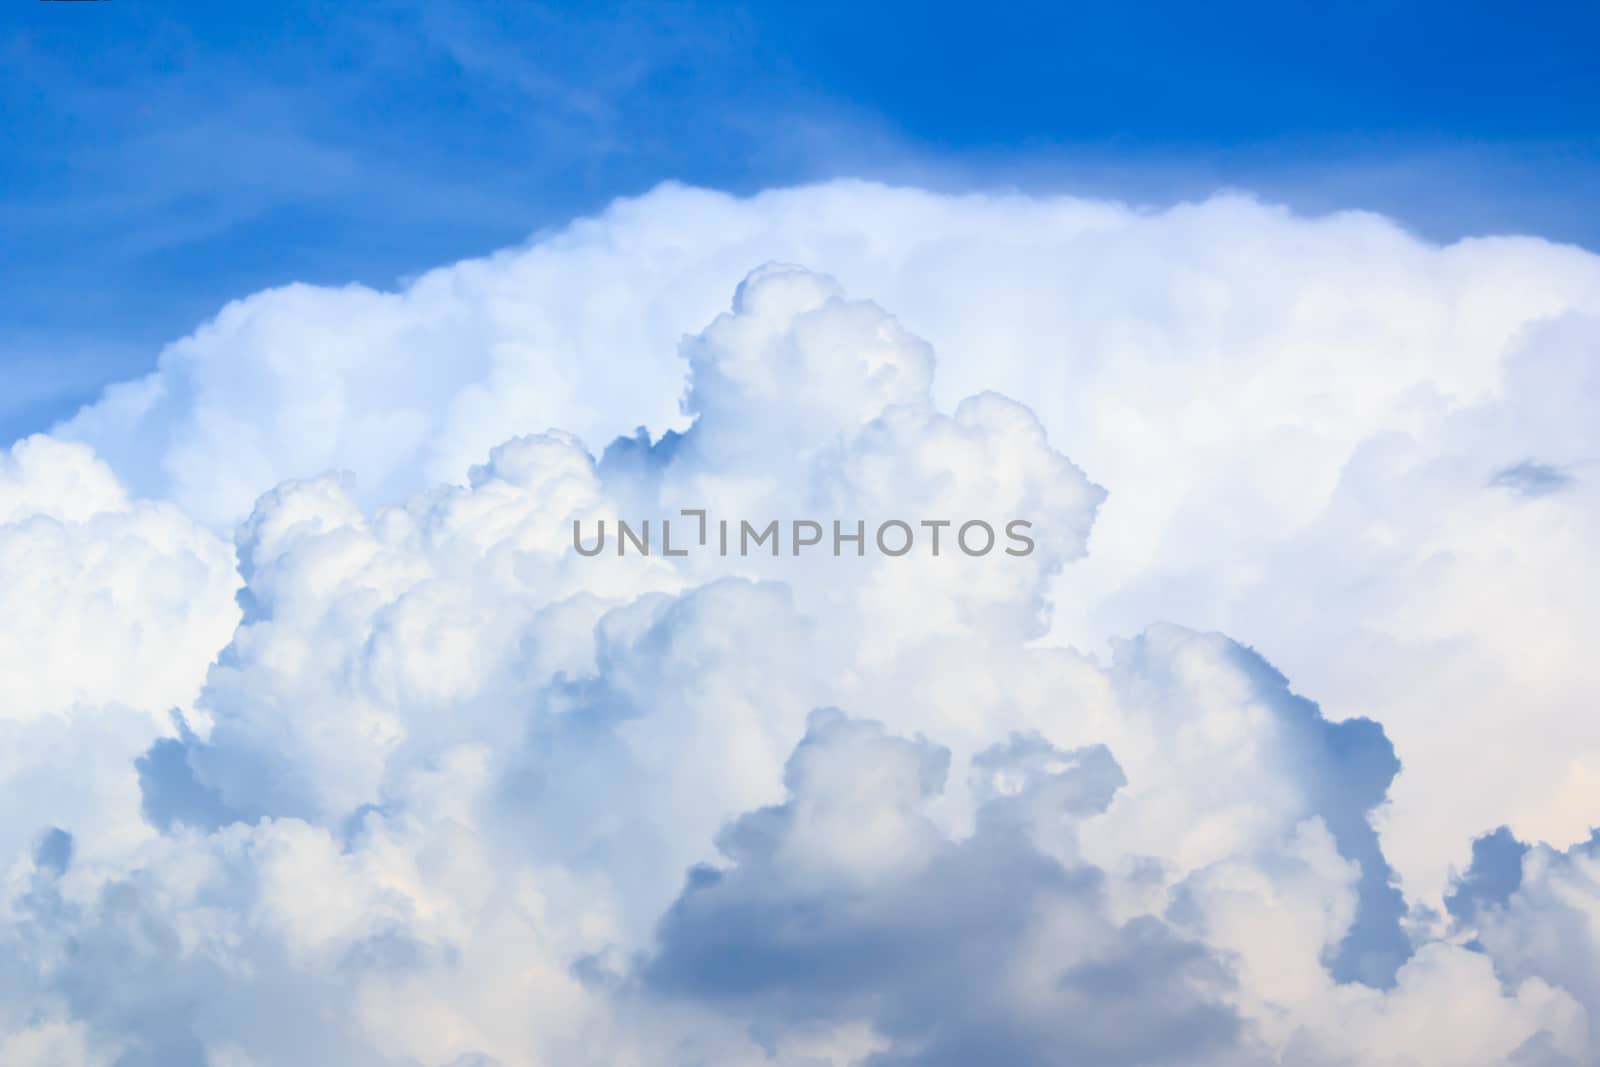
(405, 779)
(1318, 435)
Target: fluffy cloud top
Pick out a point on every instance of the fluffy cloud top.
(404, 779)
(1288, 413)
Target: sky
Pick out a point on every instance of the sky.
(1264, 343)
(160, 159)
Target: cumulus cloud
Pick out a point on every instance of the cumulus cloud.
(403, 778)
(111, 610)
(845, 903)
(1283, 410)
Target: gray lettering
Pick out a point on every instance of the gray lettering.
(641, 542)
(1024, 539)
(961, 537)
(599, 544)
(800, 543)
(904, 548)
(745, 530)
(859, 537)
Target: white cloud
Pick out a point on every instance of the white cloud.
(105, 600)
(437, 794)
(111, 611)
(1222, 368)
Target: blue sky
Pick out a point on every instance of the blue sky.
(162, 158)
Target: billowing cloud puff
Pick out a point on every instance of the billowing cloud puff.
(111, 611)
(408, 778)
(1533, 911)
